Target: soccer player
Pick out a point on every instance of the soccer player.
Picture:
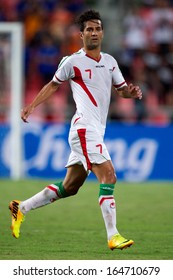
(91, 74)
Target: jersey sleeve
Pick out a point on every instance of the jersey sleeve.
(117, 77)
(64, 72)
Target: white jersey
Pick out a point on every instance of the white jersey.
(91, 82)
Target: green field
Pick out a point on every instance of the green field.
(73, 228)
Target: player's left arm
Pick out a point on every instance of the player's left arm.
(130, 91)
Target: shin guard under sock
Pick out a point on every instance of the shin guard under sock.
(107, 205)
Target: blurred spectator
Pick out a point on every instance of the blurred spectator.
(47, 58)
(135, 37)
(147, 58)
(33, 18)
(162, 20)
(60, 20)
(72, 42)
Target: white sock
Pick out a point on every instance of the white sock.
(46, 196)
(108, 208)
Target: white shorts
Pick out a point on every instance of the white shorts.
(87, 145)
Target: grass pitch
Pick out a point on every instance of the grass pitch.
(73, 228)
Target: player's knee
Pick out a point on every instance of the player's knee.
(72, 184)
(72, 189)
(114, 178)
(110, 177)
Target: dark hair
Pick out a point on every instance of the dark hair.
(86, 16)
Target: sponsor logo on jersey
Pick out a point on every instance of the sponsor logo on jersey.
(111, 70)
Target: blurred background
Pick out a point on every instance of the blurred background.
(138, 33)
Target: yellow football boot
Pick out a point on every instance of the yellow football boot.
(119, 242)
(17, 217)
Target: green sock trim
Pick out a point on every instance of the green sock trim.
(61, 191)
(106, 189)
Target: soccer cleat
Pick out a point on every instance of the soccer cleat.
(119, 242)
(17, 217)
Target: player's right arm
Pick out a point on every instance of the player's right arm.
(43, 95)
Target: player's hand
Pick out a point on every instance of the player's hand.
(135, 91)
(26, 112)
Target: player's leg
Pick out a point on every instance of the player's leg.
(74, 179)
(106, 176)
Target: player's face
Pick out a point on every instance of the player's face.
(92, 35)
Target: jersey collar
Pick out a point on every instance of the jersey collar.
(97, 60)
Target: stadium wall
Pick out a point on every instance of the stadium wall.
(139, 152)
